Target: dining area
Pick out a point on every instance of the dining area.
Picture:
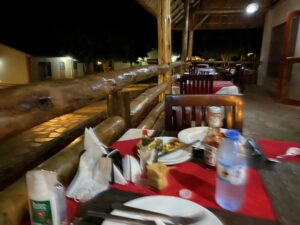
(113, 166)
(179, 181)
(104, 169)
(272, 183)
(185, 183)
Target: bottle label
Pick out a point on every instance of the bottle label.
(41, 213)
(235, 175)
(210, 155)
(215, 121)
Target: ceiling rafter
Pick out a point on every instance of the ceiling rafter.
(213, 13)
(174, 4)
(201, 22)
(149, 5)
(177, 10)
(192, 10)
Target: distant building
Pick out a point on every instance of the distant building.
(14, 66)
(17, 67)
(55, 68)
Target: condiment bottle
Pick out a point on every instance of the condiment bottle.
(145, 138)
(213, 136)
(46, 199)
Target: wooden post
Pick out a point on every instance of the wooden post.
(118, 104)
(191, 42)
(164, 40)
(185, 30)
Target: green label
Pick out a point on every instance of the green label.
(41, 213)
(145, 141)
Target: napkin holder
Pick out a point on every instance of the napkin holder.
(131, 169)
(117, 166)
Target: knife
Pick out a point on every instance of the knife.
(255, 147)
(165, 217)
(259, 152)
(127, 220)
(137, 210)
(182, 147)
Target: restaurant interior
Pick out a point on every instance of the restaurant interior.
(210, 143)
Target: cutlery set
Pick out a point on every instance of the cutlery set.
(292, 151)
(142, 217)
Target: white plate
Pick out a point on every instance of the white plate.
(169, 205)
(175, 157)
(198, 133)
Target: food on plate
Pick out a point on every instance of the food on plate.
(171, 146)
(160, 146)
(157, 176)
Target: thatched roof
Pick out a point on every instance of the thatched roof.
(213, 14)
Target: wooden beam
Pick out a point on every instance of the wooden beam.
(164, 39)
(193, 6)
(177, 10)
(14, 199)
(36, 103)
(149, 5)
(179, 18)
(220, 11)
(175, 4)
(152, 117)
(191, 42)
(179, 14)
(185, 30)
(196, 3)
(230, 11)
(201, 22)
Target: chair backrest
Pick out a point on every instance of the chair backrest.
(194, 70)
(196, 84)
(184, 111)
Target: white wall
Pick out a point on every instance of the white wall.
(57, 74)
(275, 16)
(13, 66)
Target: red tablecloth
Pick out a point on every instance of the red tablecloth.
(201, 181)
(220, 84)
(274, 148)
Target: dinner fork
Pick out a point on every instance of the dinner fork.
(184, 220)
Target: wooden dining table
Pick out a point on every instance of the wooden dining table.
(272, 199)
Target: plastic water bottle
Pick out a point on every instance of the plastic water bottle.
(231, 173)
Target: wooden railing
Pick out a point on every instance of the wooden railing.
(13, 199)
(25, 106)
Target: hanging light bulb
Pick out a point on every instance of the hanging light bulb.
(252, 8)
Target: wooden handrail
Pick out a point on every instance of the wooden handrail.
(25, 106)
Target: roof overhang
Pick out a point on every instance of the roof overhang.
(214, 14)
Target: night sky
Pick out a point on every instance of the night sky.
(87, 30)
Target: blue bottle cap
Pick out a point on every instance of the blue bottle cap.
(232, 134)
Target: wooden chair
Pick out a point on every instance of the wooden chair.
(183, 111)
(196, 84)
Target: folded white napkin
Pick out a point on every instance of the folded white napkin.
(84, 186)
(133, 133)
(131, 169)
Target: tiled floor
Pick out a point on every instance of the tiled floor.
(40, 142)
(264, 118)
